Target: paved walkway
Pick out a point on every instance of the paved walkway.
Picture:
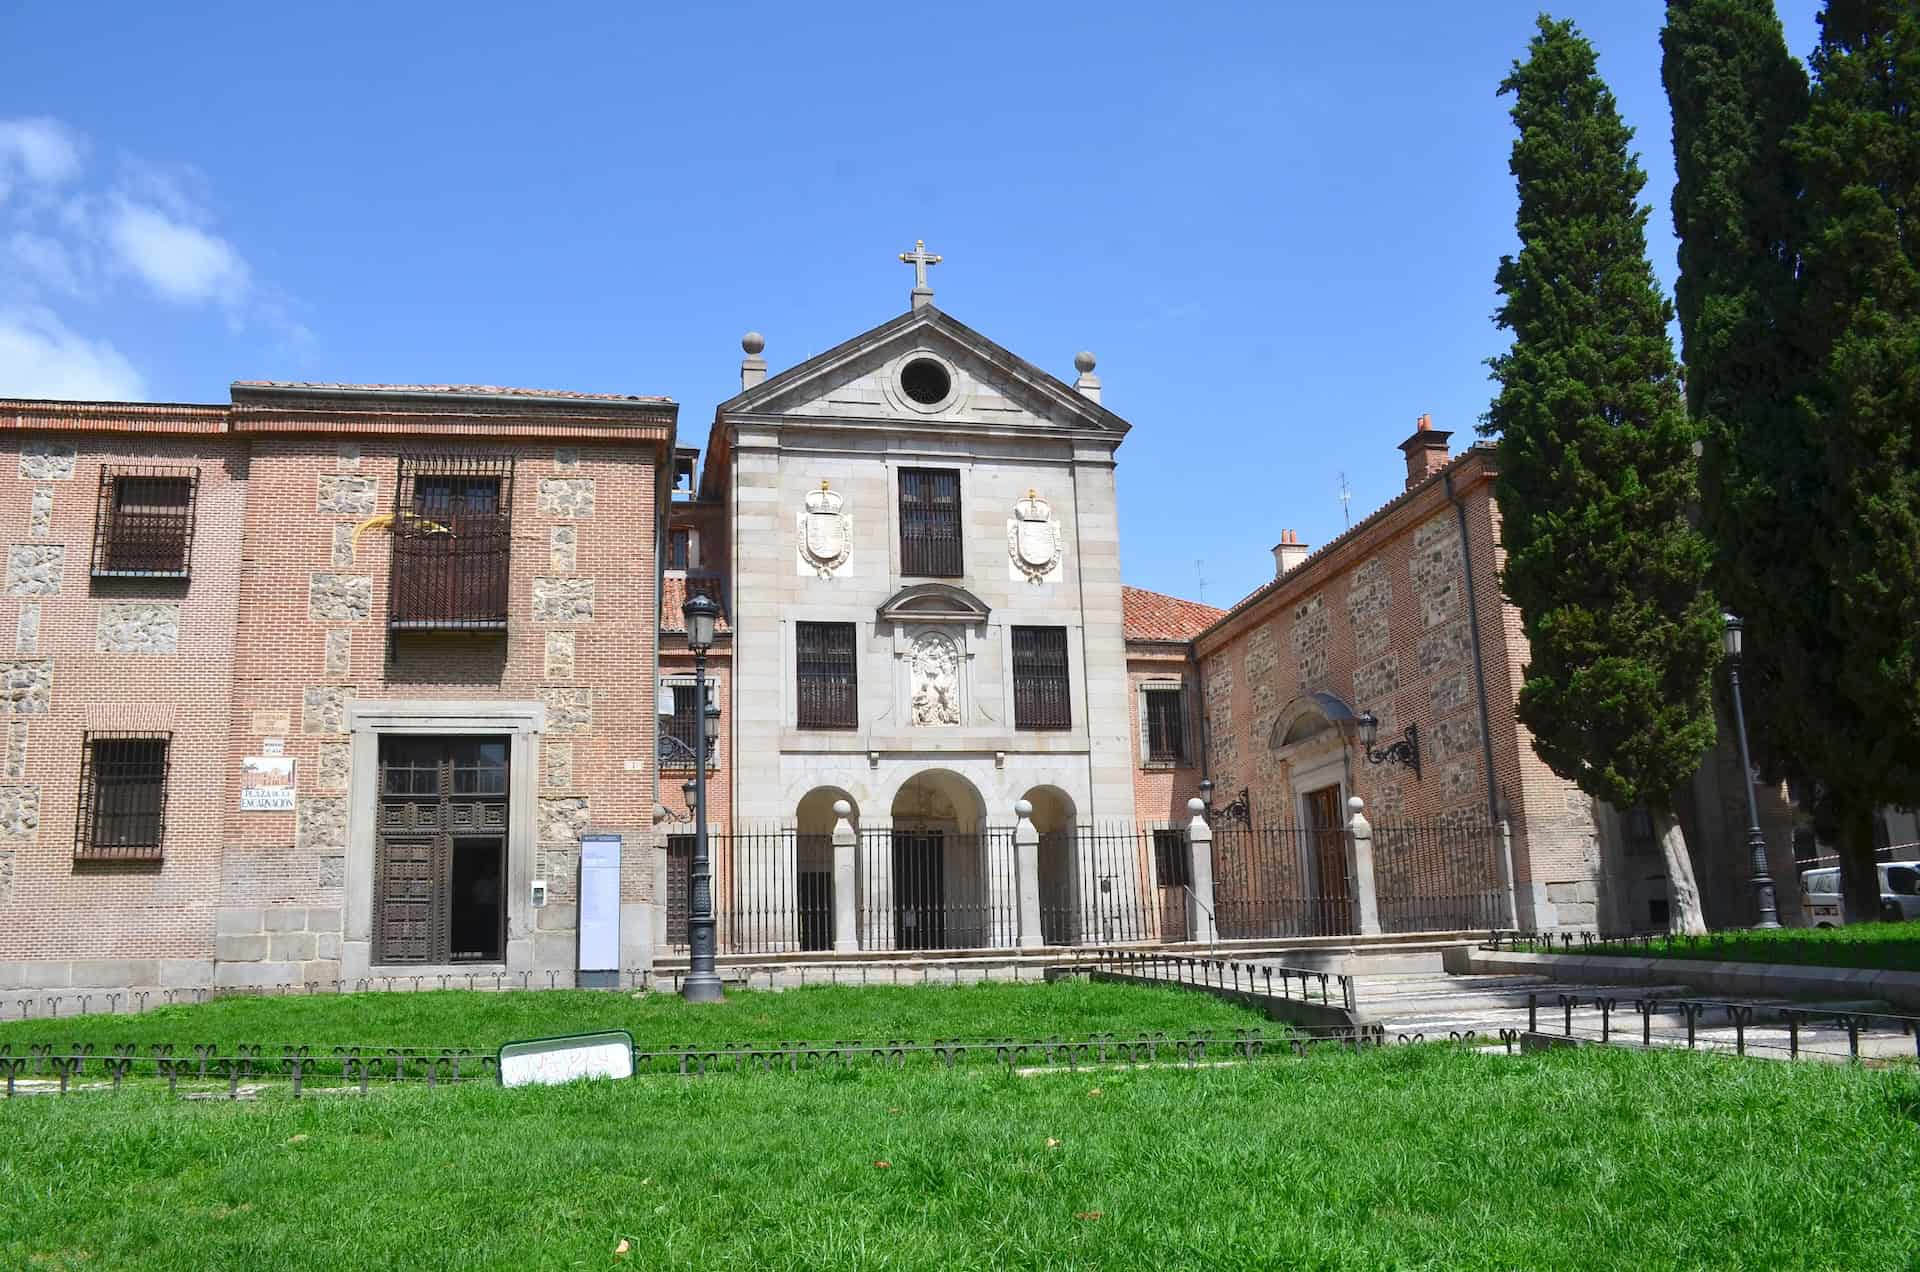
(1438, 1006)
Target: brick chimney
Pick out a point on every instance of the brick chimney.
(1288, 553)
(1426, 451)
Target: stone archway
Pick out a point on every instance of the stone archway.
(813, 823)
(1059, 873)
(941, 892)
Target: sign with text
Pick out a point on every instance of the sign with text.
(549, 1061)
(266, 784)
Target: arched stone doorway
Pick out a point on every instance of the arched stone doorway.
(940, 892)
(1059, 873)
(1313, 872)
(813, 824)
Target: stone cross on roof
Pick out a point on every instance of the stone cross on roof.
(920, 258)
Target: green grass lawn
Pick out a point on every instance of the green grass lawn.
(1885, 946)
(481, 1020)
(1404, 1156)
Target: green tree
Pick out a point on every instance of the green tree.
(1857, 680)
(1736, 94)
(1596, 463)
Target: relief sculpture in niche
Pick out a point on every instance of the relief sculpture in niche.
(826, 533)
(1033, 540)
(936, 680)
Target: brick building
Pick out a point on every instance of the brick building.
(326, 680)
(1402, 618)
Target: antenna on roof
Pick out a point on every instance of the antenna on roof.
(1200, 581)
(1346, 500)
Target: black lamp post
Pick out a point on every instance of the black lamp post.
(703, 983)
(1405, 751)
(1240, 810)
(1756, 842)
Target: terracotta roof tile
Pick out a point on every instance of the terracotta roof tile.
(673, 594)
(489, 390)
(1156, 616)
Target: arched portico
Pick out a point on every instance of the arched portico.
(813, 892)
(1059, 870)
(934, 885)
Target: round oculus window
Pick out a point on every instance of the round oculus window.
(925, 381)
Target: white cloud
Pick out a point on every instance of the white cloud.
(38, 151)
(40, 357)
(179, 262)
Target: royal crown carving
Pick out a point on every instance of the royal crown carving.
(1033, 539)
(826, 532)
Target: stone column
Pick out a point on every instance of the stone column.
(1200, 923)
(1505, 831)
(846, 911)
(1026, 874)
(1360, 835)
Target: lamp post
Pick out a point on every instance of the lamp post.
(1756, 842)
(703, 983)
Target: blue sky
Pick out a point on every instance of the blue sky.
(1276, 224)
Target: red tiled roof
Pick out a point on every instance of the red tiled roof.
(673, 594)
(1156, 616)
(490, 390)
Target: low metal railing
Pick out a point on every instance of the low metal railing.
(1749, 1023)
(1229, 974)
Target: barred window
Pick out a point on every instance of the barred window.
(144, 526)
(930, 523)
(679, 549)
(1172, 864)
(1166, 710)
(123, 796)
(827, 676)
(680, 724)
(452, 543)
(1042, 691)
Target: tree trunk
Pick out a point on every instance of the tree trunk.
(1684, 916)
(1859, 870)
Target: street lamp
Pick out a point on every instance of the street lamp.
(1756, 842)
(1240, 810)
(703, 983)
(1405, 752)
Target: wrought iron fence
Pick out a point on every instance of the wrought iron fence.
(936, 890)
(1282, 881)
(1767, 1030)
(1438, 877)
(1102, 883)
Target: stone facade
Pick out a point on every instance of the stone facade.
(138, 627)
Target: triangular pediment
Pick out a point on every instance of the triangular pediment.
(866, 378)
(933, 603)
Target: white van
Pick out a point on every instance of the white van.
(1899, 893)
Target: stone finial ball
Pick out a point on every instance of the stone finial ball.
(1023, 808)
(1356, 804)
(1195, 807)
(753, 342)
(842, 809)
(1083, 360)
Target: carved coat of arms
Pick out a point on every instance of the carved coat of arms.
(826, 533)
(1033, 538)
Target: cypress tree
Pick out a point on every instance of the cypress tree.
(1736, 94)
(1859, 320)
(1596, 463)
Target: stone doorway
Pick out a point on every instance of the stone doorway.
(440, 850)
(1332, 890)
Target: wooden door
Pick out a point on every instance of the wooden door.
(1332, 901)
(432, 790)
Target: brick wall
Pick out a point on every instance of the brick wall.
(1161, 792)
(151, 655)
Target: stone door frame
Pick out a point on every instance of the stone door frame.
(368, 720)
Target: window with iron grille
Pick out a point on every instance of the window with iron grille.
(680, 724)
(1172, 863)
(679, 549)
(452, 543)
(930, 522)
(826, 676)
(1166, 724)
(144, 525)
(123, 797)
(1042, 692)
